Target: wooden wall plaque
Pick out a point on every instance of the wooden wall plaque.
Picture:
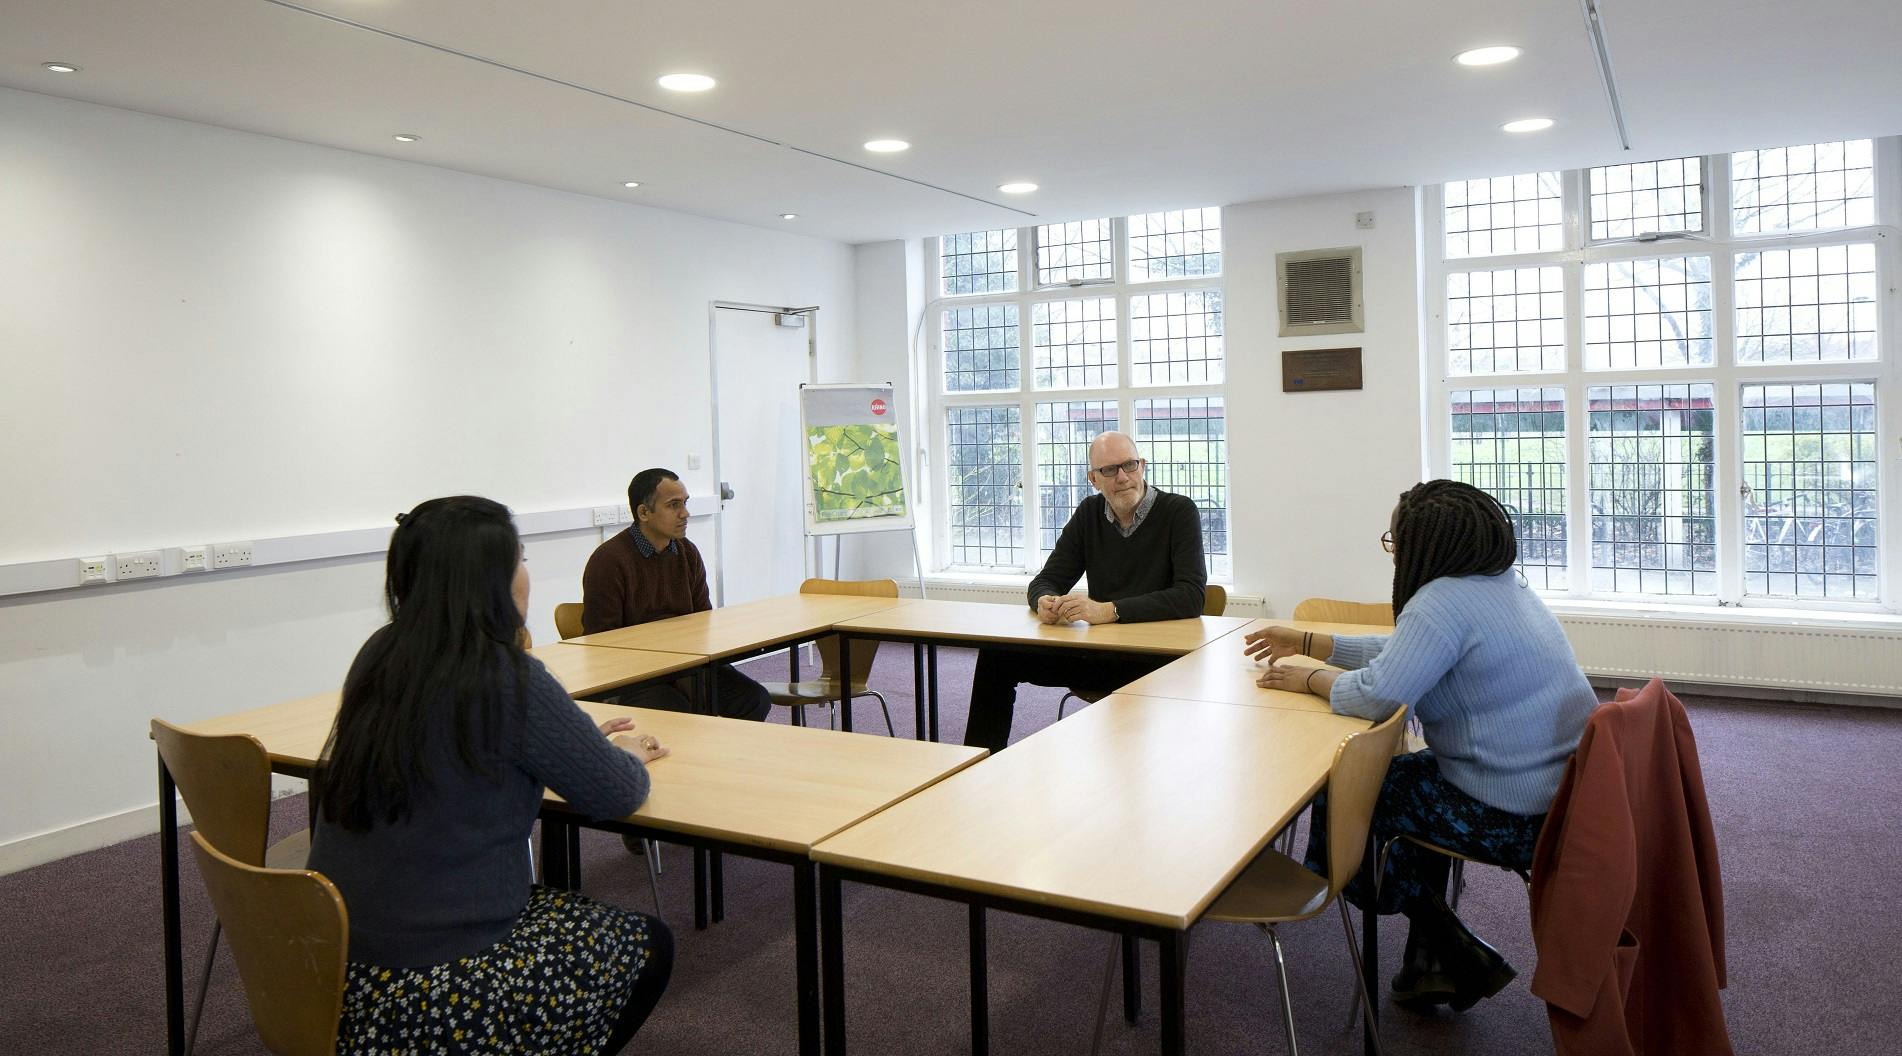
(1320, 369)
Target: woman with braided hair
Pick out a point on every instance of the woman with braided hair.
(1501, 701)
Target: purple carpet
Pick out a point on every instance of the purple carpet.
(1808, 813)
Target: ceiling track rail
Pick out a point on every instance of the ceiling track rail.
(1595, 28)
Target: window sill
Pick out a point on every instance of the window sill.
(1740, 615)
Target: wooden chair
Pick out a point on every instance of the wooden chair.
(1277, 889)
(1329, 610)
(290, 935)
(226, 784)
(825, 688)
(1214, 603)
(568, 620)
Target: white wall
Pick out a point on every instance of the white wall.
(1315, 475)
(208, 335)
(890, 301)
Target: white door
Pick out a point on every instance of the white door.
(758, 367)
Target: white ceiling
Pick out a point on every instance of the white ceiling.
(1112, 106)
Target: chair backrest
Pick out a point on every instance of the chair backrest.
(864, 652)
(568, 620)
(1329, 610)
(290, 935)
(1214, 599)
(1353, 785)
(226, 782)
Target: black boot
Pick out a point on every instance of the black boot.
(1421, 983)
(1476, 969)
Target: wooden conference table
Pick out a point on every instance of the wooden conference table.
(757, 789)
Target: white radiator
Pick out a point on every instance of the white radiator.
(1821, 659)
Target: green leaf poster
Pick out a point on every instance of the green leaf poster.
(855, 479)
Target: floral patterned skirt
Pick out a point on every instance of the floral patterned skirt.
(555, 984)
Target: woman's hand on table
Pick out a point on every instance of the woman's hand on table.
(643, 746)
(1272, 643)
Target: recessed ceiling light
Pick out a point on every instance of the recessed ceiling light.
(59, 67)
(789, 216)
(631, 184)
(1530, 124)
(886, 146)
(405, 137)
(1491, 56)
(686, 82)
(1020, 187)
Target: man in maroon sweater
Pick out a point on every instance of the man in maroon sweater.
(651, 572)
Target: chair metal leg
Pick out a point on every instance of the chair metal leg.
(1360, 980)
(1456, 879)
(1103, 1004)
(1281, 979)
(890, 730)
(652, 855)
(1063, 703)
(204, 986)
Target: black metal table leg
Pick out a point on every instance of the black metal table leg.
(1370, 947)
(845, 682)
(918, 691)
(931, 663)
(174, 937)
(716, 879)
(700, 888)
(1175, 963)
(554, 854)
(792, 663)
(832, 960)
(706, 690)
(806, 955)
(574, 857)
(1132, 978)
(980, 987)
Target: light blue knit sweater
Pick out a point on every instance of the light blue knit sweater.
(1489, 674)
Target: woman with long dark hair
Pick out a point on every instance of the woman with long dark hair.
(1487, 670)
(421, 808)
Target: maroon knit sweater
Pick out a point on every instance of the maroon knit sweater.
(620, 588)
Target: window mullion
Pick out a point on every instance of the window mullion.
(1578, 550)
(1726, 410)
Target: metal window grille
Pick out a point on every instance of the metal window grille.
(1506, 320)
(984, 447)
(1079, 251)
(1652, 196)
(1649, 312)
(1504, 214)
(1073, 343)
(1176, 338)
(1806, 305)
(978, 262)
(1809, 462)
(1652, 466)
(1510, 443)
(981, 348)
(1177, 244)
(1186, 442)
(1809, 187)
(1064, 432)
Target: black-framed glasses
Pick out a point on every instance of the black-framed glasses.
(1110, 472)
(1386, 540)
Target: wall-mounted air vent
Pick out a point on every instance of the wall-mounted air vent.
(1320, 291)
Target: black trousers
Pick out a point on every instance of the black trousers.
(994, 686)
(735, 696)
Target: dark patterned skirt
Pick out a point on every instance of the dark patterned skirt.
(555, 984)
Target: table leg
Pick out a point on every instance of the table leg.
(574, 857)
(1175, 963)
(1132, 978)
(706, 690)
(832, 960)
(931, 663)
(1370, 949)
(716, 878)
(918, 691)
(980, 988)
(700, 888)
(174, 938)
(554, 854)
(792, 663)
(845, 682)
(806, 955)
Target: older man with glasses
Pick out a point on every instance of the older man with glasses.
(1142, 551)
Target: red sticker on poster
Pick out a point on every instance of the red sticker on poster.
(878, 406)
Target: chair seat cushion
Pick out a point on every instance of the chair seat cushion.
(1273, 888)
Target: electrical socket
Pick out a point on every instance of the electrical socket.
(230, 555)
(193, 558)
(605, 515)
(94, 570)
(141, 565)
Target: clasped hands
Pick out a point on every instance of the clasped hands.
(1070, 608)
(646, 747)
